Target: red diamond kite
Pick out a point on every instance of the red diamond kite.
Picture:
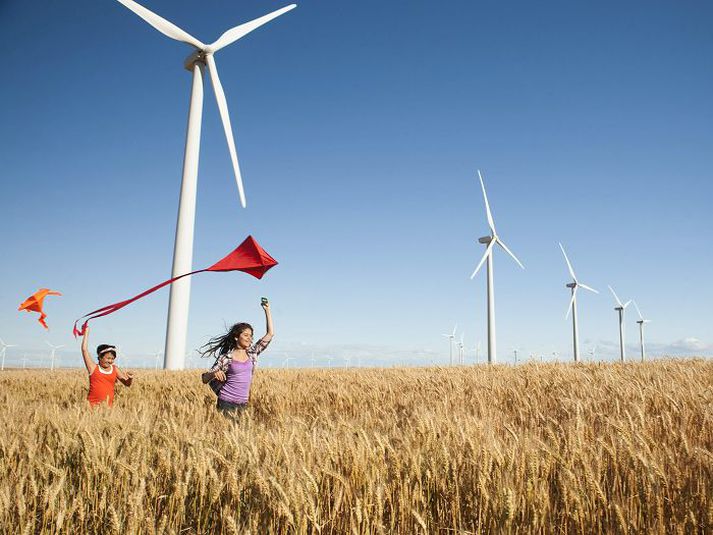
(35, 302)
(248, 257)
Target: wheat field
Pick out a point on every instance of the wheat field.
(538, 448)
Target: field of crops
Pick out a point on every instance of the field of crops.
(595, 448)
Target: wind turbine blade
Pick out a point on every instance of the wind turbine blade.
(627, 303)
(488, 251)
(454, 329)
(508, 251)
(638, 311)
(491, 223)
(587, 287)
(571, 303)
(618, 301)
(162, 25)
(223, 108)
(242, 30)
(569, 265)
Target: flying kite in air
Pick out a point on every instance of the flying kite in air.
(35, 302)
(248, 257)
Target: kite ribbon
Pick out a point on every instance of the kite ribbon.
(248, 257)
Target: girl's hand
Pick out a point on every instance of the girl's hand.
(219, 375)
(130, 375)
(265, 306)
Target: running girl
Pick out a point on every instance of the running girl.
(103, 376)
(235, 358)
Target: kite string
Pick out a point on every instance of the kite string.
(98, 313)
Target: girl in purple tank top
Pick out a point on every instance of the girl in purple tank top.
(235, 356)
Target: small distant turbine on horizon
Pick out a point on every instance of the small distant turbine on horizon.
(52, 355)
(514, 352)
(3, 349)
(450, 342)
(461, 350)
(201, 57)
(641, 323)
(574, 285)
(491, 241)
(620, 309)
(286, 362)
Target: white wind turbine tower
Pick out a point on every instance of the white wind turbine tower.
(4, 349)
(574, 285)
(52, 355)
(620, 309)
(461, 349)
(450, 342)
(286, 362)
(201, 57)
(641, 323)
(491, 241)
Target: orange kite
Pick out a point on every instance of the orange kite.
(35, 301)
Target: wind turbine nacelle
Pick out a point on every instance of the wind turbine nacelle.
(571, 285)
(485, 239)
(197, 56)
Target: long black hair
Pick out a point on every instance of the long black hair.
(221, 345)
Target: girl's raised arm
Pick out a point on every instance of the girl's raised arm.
(88, 362)
(268, 320)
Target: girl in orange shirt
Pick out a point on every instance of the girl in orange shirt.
(102, 377)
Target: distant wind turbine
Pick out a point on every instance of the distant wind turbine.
(641, 323)
(620, 309)
(574, 285)
(3, 349)
(52, 355)
(461, 350)
(450, 342)
(491, 241)
(286, 362)
(201, 57)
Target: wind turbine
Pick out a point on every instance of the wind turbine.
(641, 323)
(574, 285)
(514, 352)
(24, 360)
(286, 362)
(201, 57)
(158, 356)
(4, 349)
(491, 241)
(620, 309)
(461, 352)
(450, 342)
(54, 349)
(477, 352)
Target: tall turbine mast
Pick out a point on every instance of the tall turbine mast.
(573, 304)
(490, 242)
(197, 61)
(620, 309)
(641, 323)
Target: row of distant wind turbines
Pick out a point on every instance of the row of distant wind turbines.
(487, 258)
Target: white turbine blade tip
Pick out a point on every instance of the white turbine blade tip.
(587, 288)
(637, 310)
(508, 251)
(242, 30)
(569, 265)
(488, 213)
(227, 127)
(616, 297)
(488, 251)
(162, 25)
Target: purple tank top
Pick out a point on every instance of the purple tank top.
(237, 385)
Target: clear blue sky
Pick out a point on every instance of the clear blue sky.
(359, 127)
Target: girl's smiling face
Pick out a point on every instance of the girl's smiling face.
(106, 359)
(245, 339)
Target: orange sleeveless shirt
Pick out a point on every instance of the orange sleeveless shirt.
(101, 386)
